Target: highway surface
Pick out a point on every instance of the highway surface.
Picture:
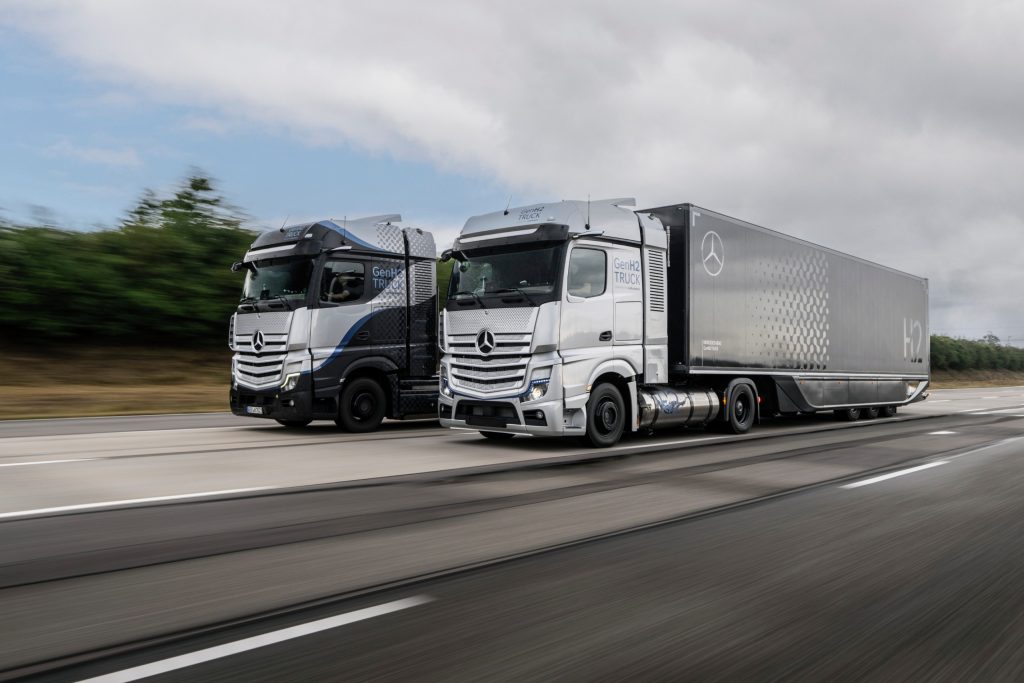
(216, 548)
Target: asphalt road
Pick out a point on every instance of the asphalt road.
(687, 556)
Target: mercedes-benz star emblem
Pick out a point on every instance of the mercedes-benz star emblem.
(712, 253)
(257, 341)
(485, 341)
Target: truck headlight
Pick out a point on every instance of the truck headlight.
(446, 390)
(290, 382)
(537, 390)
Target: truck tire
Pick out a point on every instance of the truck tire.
(293, 424)
(740, 409)
(497, 436)
(606, 416)
(887, 411)
(869, 413)
(848, 414)
(362, 405)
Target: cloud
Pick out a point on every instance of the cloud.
(105, 156)
(891, 131)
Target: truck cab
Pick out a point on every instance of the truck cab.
(337, 321)
(545, 303)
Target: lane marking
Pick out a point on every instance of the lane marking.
(944, 431)
(43, 462)
(890, 475)
(246, 644)
(941, 400)
(132, 501)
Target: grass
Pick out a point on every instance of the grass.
(960, 379)
(76, 382)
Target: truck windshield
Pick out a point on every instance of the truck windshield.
(529, 273)
(283, 279)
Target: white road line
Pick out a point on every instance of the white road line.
(944, 431)
(121, 503)
(890, 475)
(941, 400)
(246, 644)
(42, 462)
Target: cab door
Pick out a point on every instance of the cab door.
(338, 327)
(587, 319)
(628, 291)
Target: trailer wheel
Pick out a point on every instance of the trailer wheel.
(887, 411)
(869, 413)
(848, 414)
(497, 436)
(606, 416)
(741, 409)
(362, 405)
(293, 424)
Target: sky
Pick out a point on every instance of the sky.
(893, 131)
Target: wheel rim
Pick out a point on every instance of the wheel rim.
(607, 416)
(363, 406)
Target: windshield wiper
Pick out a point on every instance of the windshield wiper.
(283, 300)
(472, 294)
(517, 289)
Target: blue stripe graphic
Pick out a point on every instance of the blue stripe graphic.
(352, 331)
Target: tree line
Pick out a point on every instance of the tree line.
(948, 353)
(162, 277)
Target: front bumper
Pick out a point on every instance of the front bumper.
(540, 418)
(274, 404)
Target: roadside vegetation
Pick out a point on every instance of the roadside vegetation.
(133, 318)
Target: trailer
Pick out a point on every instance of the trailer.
(337, 321)
(589, 319)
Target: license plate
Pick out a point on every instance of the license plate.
(254, 410)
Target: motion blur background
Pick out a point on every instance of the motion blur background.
(895, 140)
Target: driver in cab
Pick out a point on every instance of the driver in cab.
(345, 286)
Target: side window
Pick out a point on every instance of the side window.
(343, 282)
(588, 272)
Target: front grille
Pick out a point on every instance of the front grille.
(261, 368)
(503, 368)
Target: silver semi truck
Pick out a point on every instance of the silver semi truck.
(591, 319)
(337, 321)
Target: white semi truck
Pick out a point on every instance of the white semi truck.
(337, 321)
(592, 319)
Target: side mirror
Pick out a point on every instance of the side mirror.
(446, 256)
(237, 266)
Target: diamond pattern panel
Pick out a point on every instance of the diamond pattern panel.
(790, 310)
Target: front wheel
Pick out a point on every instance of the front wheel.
(362, 405)
(293, 424)
(740, 409)
(606, 416)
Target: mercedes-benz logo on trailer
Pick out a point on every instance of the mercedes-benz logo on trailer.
(257, 341)
(485, 341)
(712, 253)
